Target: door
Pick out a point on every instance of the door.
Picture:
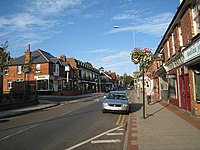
(185, 92)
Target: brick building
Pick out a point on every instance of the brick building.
(38, 69)
(179, 74)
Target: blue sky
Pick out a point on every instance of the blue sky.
(84, 29)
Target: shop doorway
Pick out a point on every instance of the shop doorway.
(185, 92)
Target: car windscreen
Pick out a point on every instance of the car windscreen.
(120, 96)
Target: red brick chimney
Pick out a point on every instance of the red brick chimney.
(28, 54)
(63, 57)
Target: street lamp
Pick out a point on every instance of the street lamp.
(134, 36)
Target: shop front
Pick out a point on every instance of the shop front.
(178, 82)
(192, 63)
(48, 83)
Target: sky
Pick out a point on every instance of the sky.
(84, 29)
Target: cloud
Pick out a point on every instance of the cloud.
(155, 25)
(53, 7)
(124, 17)
(23, 20)
(105, 50)
(121, 55)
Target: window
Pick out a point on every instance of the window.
(19, 69)
(19, 80)
(37, 67)
(51, 84)
(10, 84)
(197, 84)
(42, 84)
(195, 19)
(172, 86)
(6, 71)
(56, 69)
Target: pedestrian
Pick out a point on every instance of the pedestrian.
(148, 92)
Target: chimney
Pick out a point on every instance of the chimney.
(28, 54)
(63, 58)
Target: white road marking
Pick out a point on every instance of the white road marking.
(8, 136)
(65, 113)
(91, 139)
(120, 129)
(110, 134)
(106, 141)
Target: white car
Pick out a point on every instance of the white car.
(115, 101)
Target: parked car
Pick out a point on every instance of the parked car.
(115, 101)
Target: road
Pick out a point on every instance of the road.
(79, 125)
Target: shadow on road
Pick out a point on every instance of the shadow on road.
(49, 120)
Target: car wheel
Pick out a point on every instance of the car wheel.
(103, 111)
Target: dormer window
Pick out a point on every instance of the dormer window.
(56, 69)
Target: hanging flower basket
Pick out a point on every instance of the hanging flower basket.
(142, 56)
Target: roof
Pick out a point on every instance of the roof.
(72, 63)
(38, 56)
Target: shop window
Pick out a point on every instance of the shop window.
(172, 86)
(51, 84)
(59, 84)
(42, 84)
(197, 84)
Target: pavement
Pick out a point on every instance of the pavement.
(165, 127)
(45, 103)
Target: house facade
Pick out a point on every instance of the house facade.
(176, 74)
(82, 75)
(45, 72)
(41, 72)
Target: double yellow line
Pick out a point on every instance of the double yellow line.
(120, 120)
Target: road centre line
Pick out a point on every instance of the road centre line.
(8, 136)
(106, 141)
(120, 120)
(93, 138)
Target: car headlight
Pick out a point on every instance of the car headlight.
(125, 105)
(105, 104)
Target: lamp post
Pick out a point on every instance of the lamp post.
(145, 58)
(134, 36)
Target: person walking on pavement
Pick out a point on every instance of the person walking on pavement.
(148, 92)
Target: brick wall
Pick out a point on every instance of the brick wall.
(176, 40)
(186, 27)
(166, 52)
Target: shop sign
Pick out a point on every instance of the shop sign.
(192, 52)
(177, 61)
(41, 77)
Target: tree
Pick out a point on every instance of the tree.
(127, 79)
(4, 58)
